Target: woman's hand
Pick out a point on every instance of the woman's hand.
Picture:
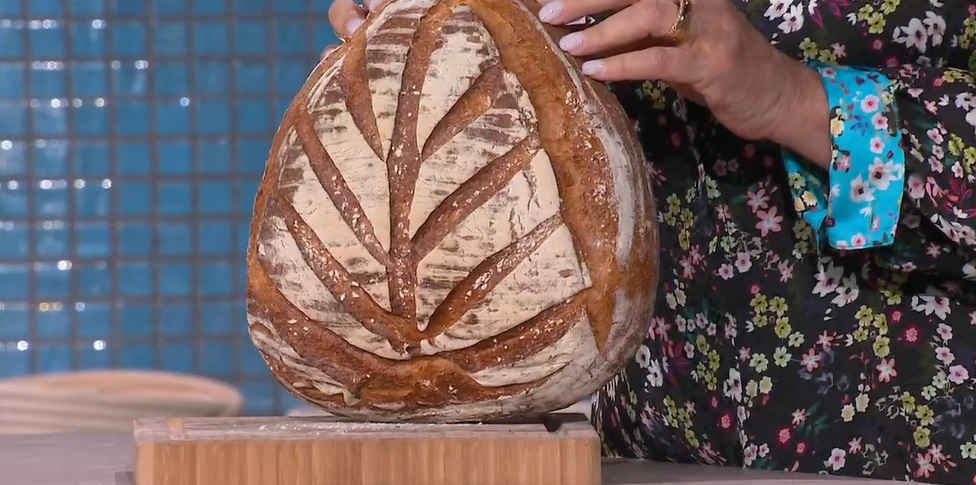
(722, 62)
(346, 18)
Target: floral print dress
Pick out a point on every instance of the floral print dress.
(819, 321)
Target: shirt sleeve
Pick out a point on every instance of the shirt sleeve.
(857, 203)
(903, 168)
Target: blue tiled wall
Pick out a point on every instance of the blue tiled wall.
(132, 137)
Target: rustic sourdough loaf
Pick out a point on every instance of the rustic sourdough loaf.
(453, 225)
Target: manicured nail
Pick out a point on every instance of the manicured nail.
(571, 42)
(551, 11)
(353, 25)
(592, 68)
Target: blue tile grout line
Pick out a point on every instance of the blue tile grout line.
(72, 120)
(133, 135)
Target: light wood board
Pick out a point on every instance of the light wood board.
(561, 449)
(106, 459)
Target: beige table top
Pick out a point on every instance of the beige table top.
(105, 459)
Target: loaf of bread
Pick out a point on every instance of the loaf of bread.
(454, 223)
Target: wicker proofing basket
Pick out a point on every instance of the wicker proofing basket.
(108, 400)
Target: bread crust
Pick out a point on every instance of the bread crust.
(454, 224)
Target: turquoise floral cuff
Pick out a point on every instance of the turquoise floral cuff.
(859, 203)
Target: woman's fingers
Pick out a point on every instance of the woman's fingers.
(643, 20)
(346, 17)
(668, 64)
(562, 12)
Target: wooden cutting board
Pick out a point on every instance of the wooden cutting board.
(561, 449)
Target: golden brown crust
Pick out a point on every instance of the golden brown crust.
(524, 340)
(483, 94)
(332, 181)
(404, 162)
(471, 195)
(353, 81)
(573, 148)
(472, 290)
(398, 388)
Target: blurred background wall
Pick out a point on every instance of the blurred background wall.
(133, 134)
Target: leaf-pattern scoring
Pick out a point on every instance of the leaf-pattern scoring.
(403, 241)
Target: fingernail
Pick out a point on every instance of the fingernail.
(353, 25)
(551, 11)
(571, 42)
(592, 68)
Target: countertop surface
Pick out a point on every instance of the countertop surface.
(106, 459)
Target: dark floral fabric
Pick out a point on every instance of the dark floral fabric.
(772, 350)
